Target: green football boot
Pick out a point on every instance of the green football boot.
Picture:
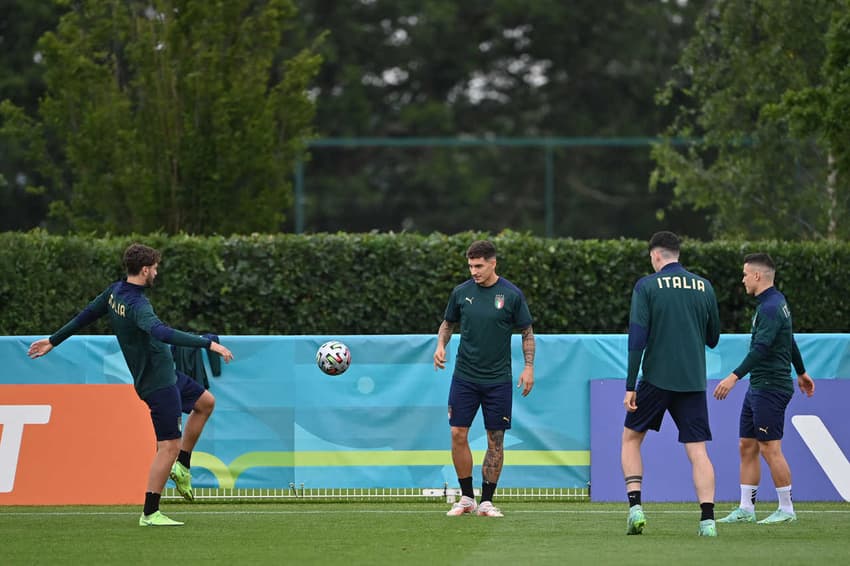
(157, 519)
(739, 516)
(182, 480)
(637, 521)
(779, 516)
(707, 528)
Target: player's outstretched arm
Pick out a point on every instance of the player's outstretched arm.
(39, 348)
(221, 351)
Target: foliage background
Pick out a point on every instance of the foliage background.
(145, 115)
(390, 68)
(761, 91)
(758, 89)
(392, 283)
(173, 115)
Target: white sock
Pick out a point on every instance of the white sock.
(784, 495)
(748, 497)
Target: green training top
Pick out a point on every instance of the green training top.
(772, 345)
(488, 317)
(141, 335)
(673, 317)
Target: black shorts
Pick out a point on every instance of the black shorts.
(167, 403)
(763, 414)
(688, 409)
(495, 400)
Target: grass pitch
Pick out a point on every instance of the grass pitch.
(415, 533)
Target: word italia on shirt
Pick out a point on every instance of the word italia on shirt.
(678, 282)
(119, 308)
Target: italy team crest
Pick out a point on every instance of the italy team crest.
(499, 302)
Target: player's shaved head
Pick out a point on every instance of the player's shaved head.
(761, 261)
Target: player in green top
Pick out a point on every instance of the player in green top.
(488, 309)
(674, 316)
(773, 351)
(143, 339)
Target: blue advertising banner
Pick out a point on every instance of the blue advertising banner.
(816, 444)
(279, 420)
(383, 424)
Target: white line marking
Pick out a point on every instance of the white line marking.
(373, 511)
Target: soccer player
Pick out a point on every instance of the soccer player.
(143, 338)
(673, 317)
(772, 352)
(487, 308)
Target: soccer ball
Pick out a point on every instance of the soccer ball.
(333, 357)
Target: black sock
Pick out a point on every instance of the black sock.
(466, 487)
(707, 511)
(487, 491)
(184, 458)
(634, 498)
(151, 503)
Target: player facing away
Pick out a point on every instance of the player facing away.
(487, 308)
(772, 352)
(143, 339)
(673, 317)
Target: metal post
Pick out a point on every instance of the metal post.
(299, 196)
(549, 194)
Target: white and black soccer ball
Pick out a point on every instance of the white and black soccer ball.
(333, 357)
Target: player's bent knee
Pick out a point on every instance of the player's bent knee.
(205, 403)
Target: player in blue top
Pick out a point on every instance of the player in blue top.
(773, 351)
(143, 339)
(488, 309)
(673, 317)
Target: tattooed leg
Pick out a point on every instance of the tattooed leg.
(491, 469)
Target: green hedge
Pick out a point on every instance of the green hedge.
(391, 283)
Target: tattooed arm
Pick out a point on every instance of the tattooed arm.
(444, 334)
(526, 378)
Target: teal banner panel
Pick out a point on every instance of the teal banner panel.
(279, 421)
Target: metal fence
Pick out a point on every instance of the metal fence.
(301, 493)
(556, 186)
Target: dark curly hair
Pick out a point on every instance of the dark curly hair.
(137, 256)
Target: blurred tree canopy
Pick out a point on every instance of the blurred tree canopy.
(175, 115)
(22, 83)
(486, 69)
(189, 115)
(763, 88)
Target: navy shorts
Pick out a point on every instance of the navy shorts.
(167, 403)
(495, 400)
(688, 409)
(763, 414)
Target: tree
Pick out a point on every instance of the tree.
(748, 86)
(823, 112)
(21, 82)
(173, 114)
